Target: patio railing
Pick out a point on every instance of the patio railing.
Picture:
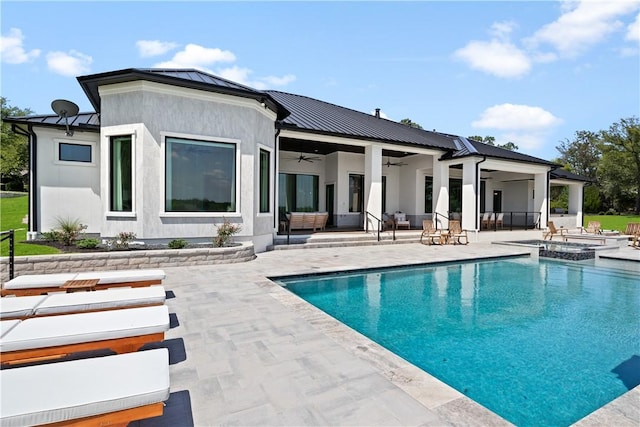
(4, 235)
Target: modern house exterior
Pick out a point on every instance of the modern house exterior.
(170, 153)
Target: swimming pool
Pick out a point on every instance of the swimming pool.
(538, 342)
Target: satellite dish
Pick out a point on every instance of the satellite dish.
(64, 109)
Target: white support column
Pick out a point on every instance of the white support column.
(469, 195)
(441, 192)
(372, 185)
(541, 198)
(575, 202)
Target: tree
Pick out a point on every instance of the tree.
(582, 155)
(620, 166)
(14, 153)
(490, 140)
(410, 123)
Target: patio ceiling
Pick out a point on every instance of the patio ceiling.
(324, 148)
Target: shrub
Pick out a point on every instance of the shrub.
(123, 239)
(225, 231)
(69, 231)
(88, 243)
(611, 212)
(51, 236)
(177, 244)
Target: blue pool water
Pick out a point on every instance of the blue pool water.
(539, 343)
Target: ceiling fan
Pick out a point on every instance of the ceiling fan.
(305, 158)
(390, 163)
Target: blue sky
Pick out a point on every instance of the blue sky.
(532, 73)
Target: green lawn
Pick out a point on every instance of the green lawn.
(12, 211)
(612, 222)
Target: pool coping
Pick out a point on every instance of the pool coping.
(431, 392)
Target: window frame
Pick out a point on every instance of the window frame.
(56, 153)
(269, 173)
(163, 175)
(284, 193)
(360, 194)
(110, 189)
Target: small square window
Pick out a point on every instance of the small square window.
(74, 152)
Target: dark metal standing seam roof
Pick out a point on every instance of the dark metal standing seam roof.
(312, 115)
(89, 121)
(492, 151)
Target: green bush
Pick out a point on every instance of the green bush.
(88, 243)
(611, 212)
(177, 244)
(225, 231)
(50, 236)
(69, 230)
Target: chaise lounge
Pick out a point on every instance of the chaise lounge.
(110, 390)
(51, 337)
(80, 302)
(38, 284)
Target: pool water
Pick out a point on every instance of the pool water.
(541, 343)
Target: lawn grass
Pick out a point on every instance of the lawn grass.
(612, 222)
(12, 212)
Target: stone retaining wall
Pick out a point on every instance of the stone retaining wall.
(125, 260)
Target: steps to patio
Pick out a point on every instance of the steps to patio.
(343, 239)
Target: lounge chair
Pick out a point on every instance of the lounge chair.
(633, 231)
(110, 390)
(500, 220)
(80, 302)
(553, 231)
(400, 220)
(429, 233)
(38, 284)
(484, 222)
(50, 337)
(457, 234)
(593, 227)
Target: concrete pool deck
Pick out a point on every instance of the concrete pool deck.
(254, 354)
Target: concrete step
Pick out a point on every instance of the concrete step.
(340, 243)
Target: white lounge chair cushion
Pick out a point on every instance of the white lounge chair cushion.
(50, 331)
(118, 276)
(12, 307)
(100, 300)
(6, 326)
(82, 388)
(39, 280)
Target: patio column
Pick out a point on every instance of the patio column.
(469, 195)
(576, 202)
(440, 193)
(372, 185)
(541, 197)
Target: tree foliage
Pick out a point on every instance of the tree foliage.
(14, 155)
(582, 154)
(490, 140)
(410, 123)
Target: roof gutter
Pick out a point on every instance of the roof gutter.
(32, 208)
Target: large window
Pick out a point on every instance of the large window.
(428, 194)
(200, 176)
(120, 170)
(74, 152)
(297, 193)
(264, 181)
(356, 193)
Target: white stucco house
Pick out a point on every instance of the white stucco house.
(170, 153)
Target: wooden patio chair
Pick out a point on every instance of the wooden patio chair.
(430, 233)
(593, 227)
(500, 220)
(484, 222)
(633, 231)
(457, 234)
(553, 231)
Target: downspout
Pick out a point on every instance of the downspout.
(276, 163)
(32, 208)
(548, 200)
(484, 158)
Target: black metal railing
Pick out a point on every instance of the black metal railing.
(520, 220)
(287, 226)
(379, 227)
(435, 219)
(4, 235)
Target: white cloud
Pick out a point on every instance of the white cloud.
(633, 30)
(199, 57)
(582, 24)
(524, 125)
(502, 30)
(497, 57)
(69, 64)
(12, 51)
(148, 48)
(242, 75)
